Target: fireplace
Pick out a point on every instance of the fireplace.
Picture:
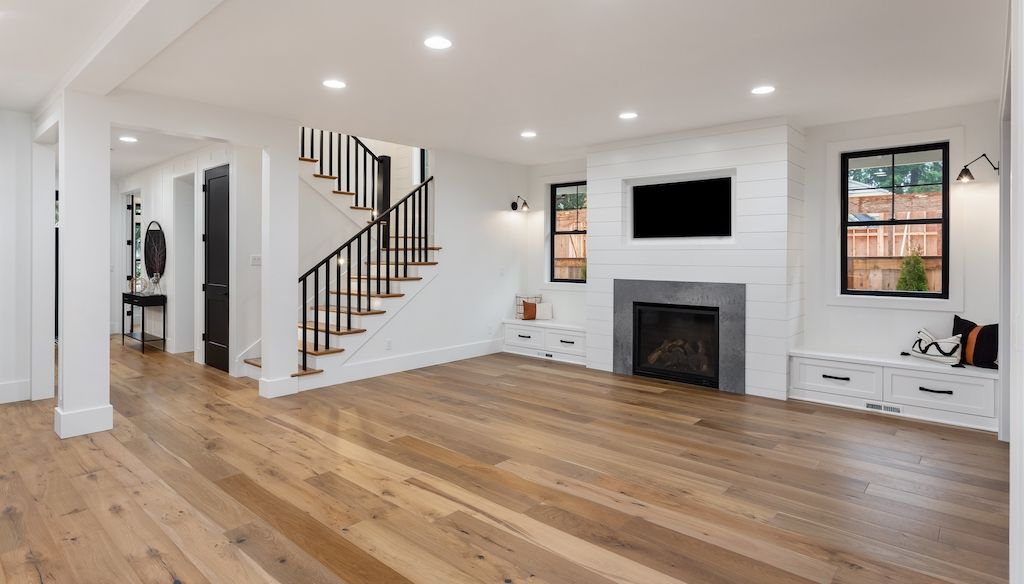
(692, 332)
(676, 342)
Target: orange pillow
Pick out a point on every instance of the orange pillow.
(529, 310)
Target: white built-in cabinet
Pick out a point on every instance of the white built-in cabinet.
(903, 386)
(546, 339)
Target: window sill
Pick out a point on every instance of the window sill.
(564, 286)
(951, 304)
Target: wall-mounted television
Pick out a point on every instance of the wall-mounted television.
(695, 208)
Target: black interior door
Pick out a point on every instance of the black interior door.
(216, 281)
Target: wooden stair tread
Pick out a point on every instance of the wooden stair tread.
(336, 192)
(307, 159)
(323, 328)
(370, 294)
(358, 208)
(258, 362)
(425, 248)
(355, 311)
(318, 175)
(321, 351)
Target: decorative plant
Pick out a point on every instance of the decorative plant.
(912, 273)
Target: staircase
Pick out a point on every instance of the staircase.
(350, 294)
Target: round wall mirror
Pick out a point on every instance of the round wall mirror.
(155, 248)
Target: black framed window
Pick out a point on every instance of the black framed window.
(895, 222)
(569, 232)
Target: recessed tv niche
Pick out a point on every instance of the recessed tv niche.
(694, 208)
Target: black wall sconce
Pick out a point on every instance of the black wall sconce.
(967, 176)
(516, 206)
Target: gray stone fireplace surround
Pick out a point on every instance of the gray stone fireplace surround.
(731, 300)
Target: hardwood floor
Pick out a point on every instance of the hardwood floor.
(500, 469)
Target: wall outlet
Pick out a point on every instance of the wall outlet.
(255, 260)
(387, 345)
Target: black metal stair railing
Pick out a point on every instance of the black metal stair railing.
(348, 160)
(378, 262)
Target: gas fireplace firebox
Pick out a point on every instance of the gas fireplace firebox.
(676, 342)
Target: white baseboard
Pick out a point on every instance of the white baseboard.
(271, 388)
(387, 365)
(79, 422)
(15, 391)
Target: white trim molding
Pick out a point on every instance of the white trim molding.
(830, 221)
(81, 422)
(15, 391)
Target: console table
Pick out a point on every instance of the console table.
(133, 300)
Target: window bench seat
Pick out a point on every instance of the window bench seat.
(901, 385)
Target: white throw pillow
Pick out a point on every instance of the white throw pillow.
(928, 347)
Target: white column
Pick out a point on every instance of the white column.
(83, 396)
(1016, 288)
(44, 184)
(280, 270)
(15, 256)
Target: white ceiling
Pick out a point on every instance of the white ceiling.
(152, 148)
(42, 40)
(566, 68)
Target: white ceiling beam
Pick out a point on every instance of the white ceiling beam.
(143, 30)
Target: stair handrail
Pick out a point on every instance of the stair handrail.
(397, 216)
(374, 172)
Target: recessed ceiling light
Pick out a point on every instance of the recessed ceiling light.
(628, 116)
(763, 90)
(128, 139)
(334, 83)
(528, 134)
(438, 43)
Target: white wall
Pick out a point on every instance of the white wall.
(459, 313)
(185, 275)
(15, 254)
(160, 188)
(766, 158)
(879, 327)
(402, 164)
(569, 299)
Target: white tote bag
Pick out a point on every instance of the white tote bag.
(939, 350)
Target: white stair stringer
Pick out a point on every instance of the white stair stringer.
(337, 368)
(343, 203)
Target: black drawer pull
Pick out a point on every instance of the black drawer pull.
(525, 337)
(824, 376)
(942, 391)
(567, 342)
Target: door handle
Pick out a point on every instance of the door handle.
(942, 391)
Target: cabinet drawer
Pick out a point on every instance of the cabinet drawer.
(838, 378)
(966, 395)
(524, 337)
(565, 342)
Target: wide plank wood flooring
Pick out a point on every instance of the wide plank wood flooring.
(500, 469)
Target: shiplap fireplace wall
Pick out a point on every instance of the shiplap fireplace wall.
(766, 161)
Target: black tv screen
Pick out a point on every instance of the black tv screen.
(696, 208)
